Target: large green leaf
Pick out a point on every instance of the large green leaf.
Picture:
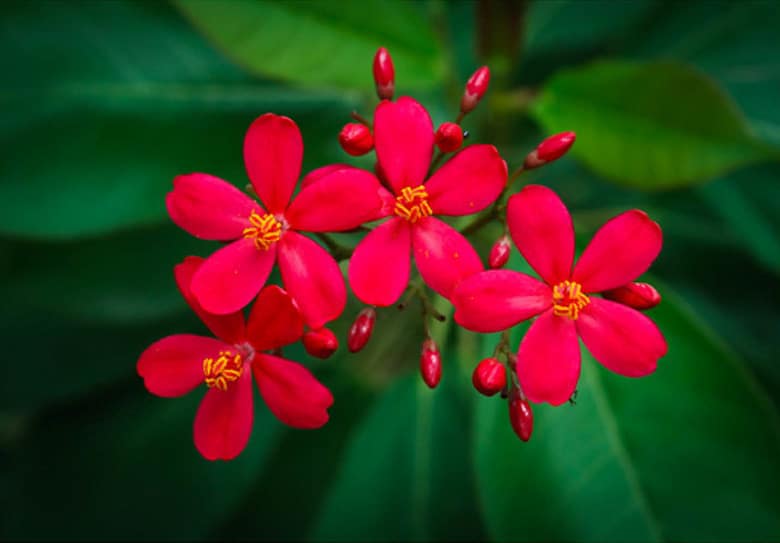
(325, 43)
(650, 125)
(687, 454)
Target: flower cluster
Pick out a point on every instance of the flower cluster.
(403, 205)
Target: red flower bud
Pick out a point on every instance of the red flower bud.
(449, 137)
(636, 295)
(489, 376)
(521, 416)
(430, 363)
(384, 74)
(320, 343)
(476, 87)
(361, 329)
(356, 139)
(499, 253)
(550, 149)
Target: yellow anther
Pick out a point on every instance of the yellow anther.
(569, 300)
(265, 230)
(223, 369)
(412, 204)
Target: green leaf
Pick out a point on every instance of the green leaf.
(656, 125)
(687, 454)
(322, 43)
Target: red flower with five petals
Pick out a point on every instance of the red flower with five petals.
(466, 184)
(548, 361)
(210, 208)
(177, 364)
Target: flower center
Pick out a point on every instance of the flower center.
(568, 299)
(265, 230)
(412, 204)
(223, 369)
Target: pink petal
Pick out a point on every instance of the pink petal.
(443, 256)
(495, 300)
(341, 200)
(621, 338)
(469, 182)
(224, 419)
(274, 321)
(313, 278)
(230, 327)
(403, 139)
(273, 151)
(379, 267)
(320, 173)
(229, 279)
(541, 228)
(548, 362)
(173, 366)
(621, 251)
(208, 207)
(291, 392)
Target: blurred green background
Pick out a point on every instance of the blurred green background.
(676, 109)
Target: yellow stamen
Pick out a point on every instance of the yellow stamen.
(568, 299)
(223, 369)
(412, 204)
(265, 230)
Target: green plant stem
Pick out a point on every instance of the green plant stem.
(338, 251)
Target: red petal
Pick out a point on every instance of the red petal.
(274, 321)
(379, 267)
(621, 251)
(229, 279)
(495, 300)
(313, 278)
(548, 362)
(622, 339)
(230, 327)
(467, 183)
(208, 207)
(273, 151)
(341, 200)
(443, 256)
(173, 366)
(320, 173)
(291, 392)
(403, 139)
(224, 420)
(541, 228)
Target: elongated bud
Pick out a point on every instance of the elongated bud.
(521, 416)
(384, 74)
(361, 330)
(430, 363)
(499, 253)
(356, 139)
(449, 137)
(476, 87)
(636, 295)
(320, 343)
(489, 377)
(549, 150)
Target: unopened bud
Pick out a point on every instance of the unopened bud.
(476, 87)
(320, 343)
(489, 377)
(384, 74)
(449, 137)
(356, 139)
(499, 253)
(430, 363)
(549, 150)
(636, 295)
(361, 330)
(521, 416)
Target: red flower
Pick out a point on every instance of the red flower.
(621, 338)
(210, 208)
(177, 364)
(466, 184)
